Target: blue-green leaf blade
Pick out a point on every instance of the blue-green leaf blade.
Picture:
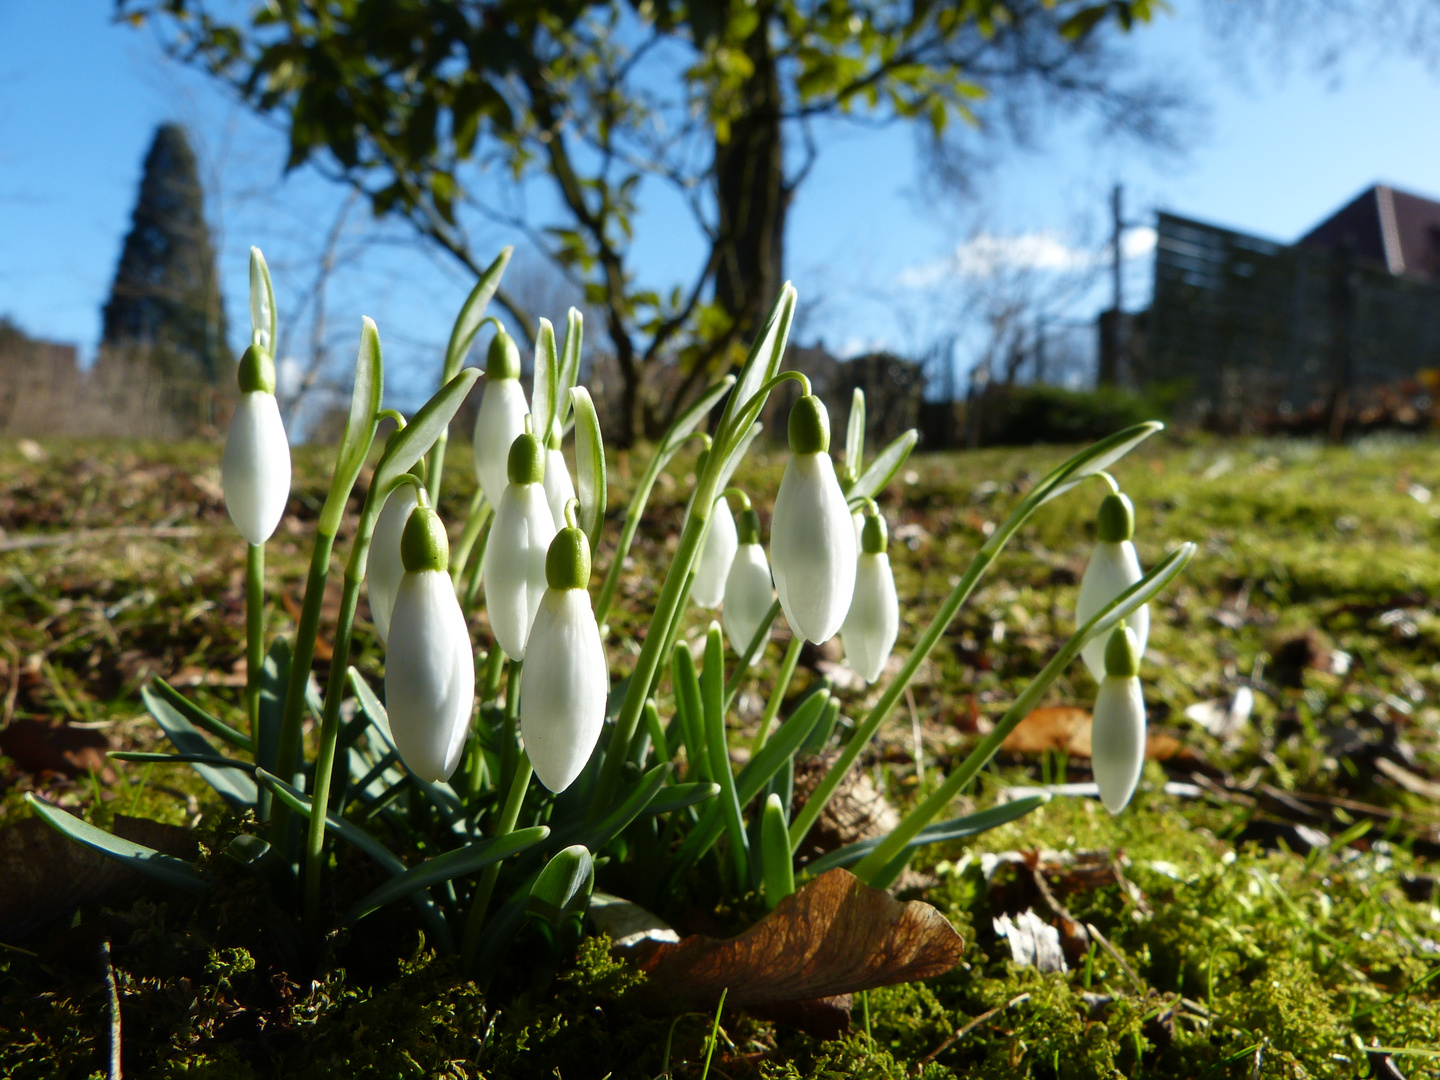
(162, 867)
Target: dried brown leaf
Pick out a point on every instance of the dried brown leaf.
(834, 936)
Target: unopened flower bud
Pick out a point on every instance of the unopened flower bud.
(501, 417)
(562, 703)
(873, 622)
(1113, 568)
(748, 594)
(713, 566)
(514, 566)
(812, 538)
(255, 471)
(1117, 735)
(429, 666)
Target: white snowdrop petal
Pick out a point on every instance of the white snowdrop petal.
(562, 696)
(384, 569)
(812, 548)
(559, 488)
(748, 597)
(1117, 740)
(499, 421)
(1113, 568)
(873, 623)
(713, 566)
(429, 675)
(514, 567)
(255, 471)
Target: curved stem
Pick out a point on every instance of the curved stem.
(475, 519)
(777, 695)
(509, 815)
(739, 494)
(747, 413)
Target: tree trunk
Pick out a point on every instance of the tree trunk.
(752, 196)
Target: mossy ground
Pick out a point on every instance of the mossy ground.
(1232, 948)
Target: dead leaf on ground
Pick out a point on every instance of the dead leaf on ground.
(44, 875)
(833, 937)
(39, 747)
(324, 651)
(1065, 729)
(1033, 942)
(857, 810)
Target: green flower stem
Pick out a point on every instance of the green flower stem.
(254, 634)
(733, 686)
(647, 665)
(494, 672)
(435, 466)
(472, 587)
(633, 513)
(509, 742)
(509, 815)
(889, 848)
(475, 520)
(334, 691)
(287, 758)
(777, 695)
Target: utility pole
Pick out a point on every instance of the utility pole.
(1111, 369)
(1117, 234)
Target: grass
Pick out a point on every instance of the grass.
(1314, 586)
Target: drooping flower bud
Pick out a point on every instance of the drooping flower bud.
(384, 569)
(812, 539)
(514, 567)
(874, 620)
(562, 701)
(713, 566)
(1113, 568)
(1117, 734)
(559, 488)
(255, 471)
(748, 594)
(501, 417)
(429, 666)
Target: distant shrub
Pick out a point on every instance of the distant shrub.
(1025, 415)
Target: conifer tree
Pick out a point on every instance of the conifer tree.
(166, 293)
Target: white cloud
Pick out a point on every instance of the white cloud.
(852, 347)
(988, 253)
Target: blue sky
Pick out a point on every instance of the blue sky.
(80, 97)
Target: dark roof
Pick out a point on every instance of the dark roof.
(1394, 228)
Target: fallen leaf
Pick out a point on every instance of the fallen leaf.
(832, 937)
(40, 747)
(324, 651)
(44, 875)
(1062, 728)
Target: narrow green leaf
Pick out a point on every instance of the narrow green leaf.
(546, 381)
(569, 366)
(954, 829)
(213, 760)
(346, 830)
(596, 836)
(855, 434)
(883, 469)
(686, 423)
(763, 362)
(274, 679)
(776, 862)
(262, 300)
(202, 719)
(563, 888)
(712, 700)
(1093, 459)
(452, 864)
(689, 712)
(235, 788)
(166, 868)
(472, 314)
(589, 466)
(409, 445)
(359, 426)
(679, 796)
(441, 796)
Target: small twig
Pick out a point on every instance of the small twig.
(1105, 944)
(915, 736)
(90, 536)
(971, 1026)
(112, 999)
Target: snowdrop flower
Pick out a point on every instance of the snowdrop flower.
(1117, 734)
(501, 418)
(1113, 569)
(429, 667)
(559, 488)
(384, 568)
(748, 594)
(812, 539)
(255, 472)
(514, 567)
(713, 567)
(562, 702)
(874, 620)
